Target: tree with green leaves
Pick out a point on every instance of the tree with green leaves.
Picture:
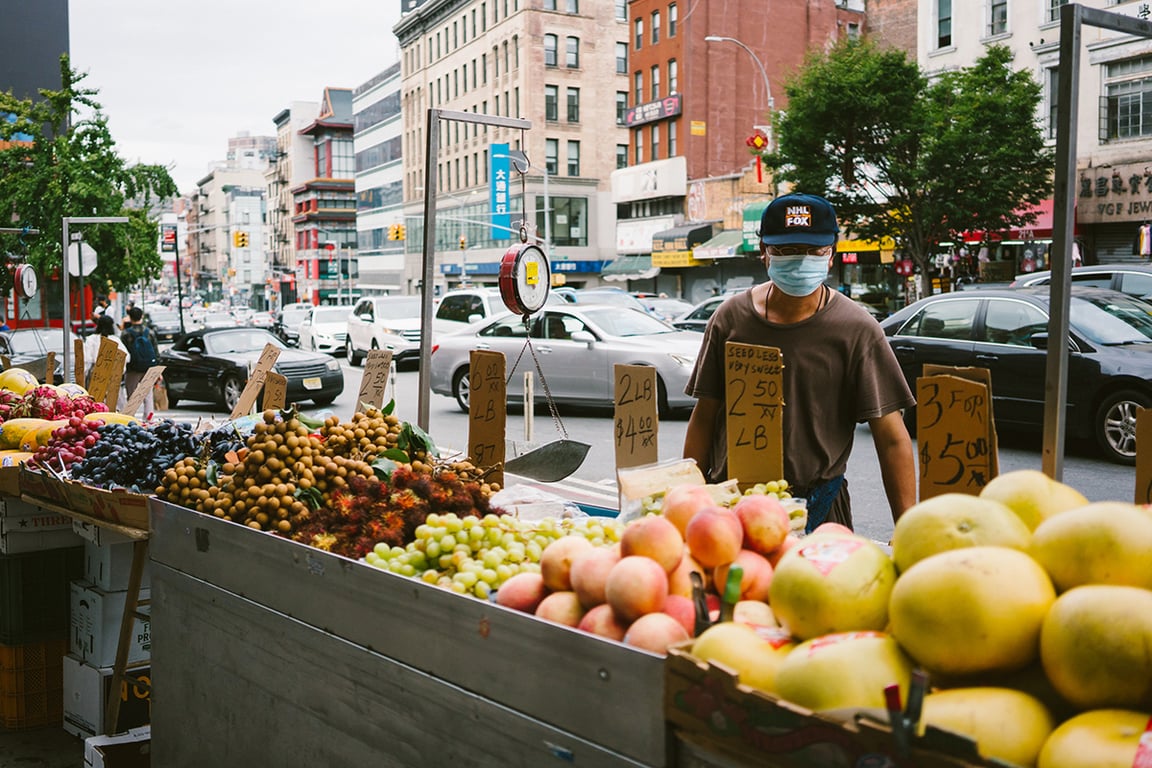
(57, 159)
(915, 159)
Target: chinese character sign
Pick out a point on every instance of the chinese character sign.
(498, 171)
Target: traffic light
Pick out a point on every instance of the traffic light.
(400, 232)
(392, 233)
(239, 239)
(243, 239)
(463, 242)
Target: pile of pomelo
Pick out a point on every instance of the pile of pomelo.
(1029, 608)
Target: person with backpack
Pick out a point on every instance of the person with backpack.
(143, 353)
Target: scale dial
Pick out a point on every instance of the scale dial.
(525, 279)
(27, 280)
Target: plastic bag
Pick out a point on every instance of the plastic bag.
(528, 502)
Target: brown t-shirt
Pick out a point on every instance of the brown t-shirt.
(838, 370)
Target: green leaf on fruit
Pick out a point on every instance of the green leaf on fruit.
(383, 468)
(310, 496)
(396, 454)
(212, 472)
(413, 439)
(387, 409)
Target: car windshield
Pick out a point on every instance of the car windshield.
(239, 341)
(398, 308)
(164, 317)
(632, 323)
(294, 316)
(331, 314)
(1112, 318)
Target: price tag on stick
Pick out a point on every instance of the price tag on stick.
(754, 398)
(1144, 456)
(373, 385)
(50, 368)
(636, 418)
(102, 370)
(952, 435)
(112, 394)
(275, 391)
(983, 376)
(136, 399)
(487, 412)
(78, 361)
(256, 381)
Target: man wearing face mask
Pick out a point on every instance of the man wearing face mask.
(838, 368)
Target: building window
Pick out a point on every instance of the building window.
(997, 17)
(672, 126)
(1054, 9)
(504, 46)
(573, 158)
(655, 150)
(621, 10)
(673, 17)
(621, 155)
(1126, 111)
(551, 103)
(573, 105)
(1053, 81)
(552, 156)
(639, 134)
(572, 58)
(639, 33)
(655, 82)
(549, 5)
(673, 76)
(655, 27)
(637, 89)
(621, 107)
(621, 58)
(484, 68)
(569, 220)
(573, 6)
(943, 23)
(550, 45)
(853, 30)
(516, 51)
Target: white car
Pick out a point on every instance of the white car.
(455, 310)
(325, 329)
(384, 322)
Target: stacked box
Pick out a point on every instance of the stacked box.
(86, 692)
(34, 594)
(95, 621)
(28, 527)
(32, 684)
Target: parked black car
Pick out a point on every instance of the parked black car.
(287, 324)
(1006, 331)
(212, 365)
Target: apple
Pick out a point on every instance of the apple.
(765, 521)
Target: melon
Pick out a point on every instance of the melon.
(1104, 543)
(1100, 738)
(1006, 724)
(953, 521)
(12, 431)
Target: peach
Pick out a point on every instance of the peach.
(601, 621)
(655, 537)
(754, 612)
(556, 561)
(562, 608)
(836, 528)
(790, 541)
(765, 521)
(714, 536)
(636, 586)
(756, 579)
(679, 581)
(522, 592)
(681, 502)
(589, 573)
(683, 610)
(655, 632)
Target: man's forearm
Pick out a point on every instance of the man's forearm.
(897, 462)
(698, 435)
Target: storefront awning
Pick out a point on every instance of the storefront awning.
(867, 251)
(632, 267)
(1039, 229)
(726, 245)
(752, 215)
(674, 247)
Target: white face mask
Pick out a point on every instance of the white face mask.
(798, 275)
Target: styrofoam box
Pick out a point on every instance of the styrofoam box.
(108, 566)
(28, 527)
(95, 626)
(86, 690)
(120, 751)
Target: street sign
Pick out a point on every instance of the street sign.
(81, 260)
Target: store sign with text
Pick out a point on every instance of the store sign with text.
(1116, 193)
(653, 110)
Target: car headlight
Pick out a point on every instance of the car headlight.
(333, 364)
(389, 331)
(684, 360)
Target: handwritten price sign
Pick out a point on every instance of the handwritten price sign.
(375, 382)
(487, 411)
(256, 381)
(636, 423)
(754, 396)
(954, 434)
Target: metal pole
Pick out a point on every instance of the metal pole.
(763, 74)
(67, 221)
(431, 148)
(547, 218)
(179, 290)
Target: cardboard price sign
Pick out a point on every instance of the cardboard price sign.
(754, 398)
(487, 411)
(256, 380)
(636, 418)
(136, 399)
(1144, 457)
(50, 368)
(275, 391)
(113, 392)
(78, 361)
(103, 370)
(373, 386)
(955, 432)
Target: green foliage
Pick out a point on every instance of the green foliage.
(70, 168)
(911, 159)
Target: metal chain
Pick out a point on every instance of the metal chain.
(543, 381)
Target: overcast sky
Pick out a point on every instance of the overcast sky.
(177, 80)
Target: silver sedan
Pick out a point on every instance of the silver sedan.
(577, 348)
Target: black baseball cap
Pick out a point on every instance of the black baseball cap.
(799, 219)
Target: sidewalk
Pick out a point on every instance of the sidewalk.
(48, 747)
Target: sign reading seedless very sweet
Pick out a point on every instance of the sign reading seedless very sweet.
(754, 399)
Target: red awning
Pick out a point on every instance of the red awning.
(1039, 229)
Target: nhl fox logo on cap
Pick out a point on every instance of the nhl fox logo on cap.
(799, 219)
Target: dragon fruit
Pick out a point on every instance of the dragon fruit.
(47, 402)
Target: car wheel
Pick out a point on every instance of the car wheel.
(324, 401)
(173, 401)
(461, 388)
(350, 353)
(230, 390)
(1116, 424)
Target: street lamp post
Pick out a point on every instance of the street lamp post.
(763, 74)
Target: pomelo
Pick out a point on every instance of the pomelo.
(971, 610)
(847, 669)
(754, 655)
(953, 521)
(1006, 724)
(1104, 543)
(18, 380)
(1032, 495)
(1096, 646)
(1101, 738)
